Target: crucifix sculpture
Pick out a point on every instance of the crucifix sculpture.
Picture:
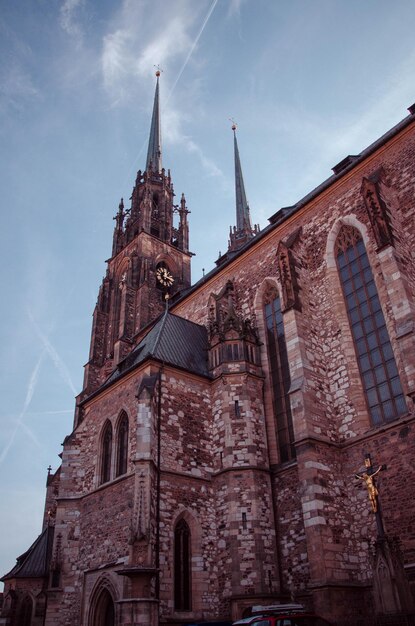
(368, 476)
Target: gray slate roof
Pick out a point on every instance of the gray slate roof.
(174, 341)
(35, 562)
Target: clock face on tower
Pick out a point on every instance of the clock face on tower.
(164, 277)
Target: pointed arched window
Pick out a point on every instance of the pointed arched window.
(155, 205)
(376, 360)
(182, 567)
(122, 444)
(26, 610)
(106, 453)
(280, 374)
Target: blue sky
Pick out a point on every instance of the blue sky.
(307, 81)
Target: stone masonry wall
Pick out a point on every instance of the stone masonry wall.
(220, 467)
(332, 405)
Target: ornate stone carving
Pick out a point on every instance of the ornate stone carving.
(287, 272)
(225, 315)
(377, 211)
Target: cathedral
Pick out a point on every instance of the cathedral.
(248, 439)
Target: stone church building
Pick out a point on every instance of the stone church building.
(221, 432)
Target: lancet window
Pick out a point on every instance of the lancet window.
(122, 444)
(280, 374)
(383, 390)
(106, 451)
(182, 567)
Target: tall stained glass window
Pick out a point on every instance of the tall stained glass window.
(280, 375)
(106, 454)
(182, 567)
(122, 445)
(376, 360)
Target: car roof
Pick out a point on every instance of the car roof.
(272, 613)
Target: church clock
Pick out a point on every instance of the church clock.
(164, 278)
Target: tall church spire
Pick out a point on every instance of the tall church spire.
(243, 231)
(151, 235)
(243, 219)
(154, 143)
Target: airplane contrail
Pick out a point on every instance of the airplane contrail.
(56, 359)
(28, 398)
(179, 75)
(193, 46)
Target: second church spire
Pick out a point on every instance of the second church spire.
(243, 231)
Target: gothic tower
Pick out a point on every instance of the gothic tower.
(150, 244)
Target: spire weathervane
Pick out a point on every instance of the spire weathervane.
(158, 70)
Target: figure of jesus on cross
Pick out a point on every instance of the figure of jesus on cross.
(368, 476)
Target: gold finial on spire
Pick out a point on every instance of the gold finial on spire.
(158, 70)
(234, 124)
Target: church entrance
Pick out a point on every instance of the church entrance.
(104, 613)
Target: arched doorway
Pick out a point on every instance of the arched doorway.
(103, 613)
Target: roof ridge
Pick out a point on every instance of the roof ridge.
(26, 556)
(162, 325)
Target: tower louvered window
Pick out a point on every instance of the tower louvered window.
(280, 375)
(106, 454)
(376, 360)
(122, 445)
(182, 568)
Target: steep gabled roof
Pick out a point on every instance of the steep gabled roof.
(172, 340)
(34, 563)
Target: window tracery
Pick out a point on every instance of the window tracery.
(106, 452)
(122, 445)
(378, 370)
(280, 373)
(182, 567)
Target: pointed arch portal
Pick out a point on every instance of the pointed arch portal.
(104, 611)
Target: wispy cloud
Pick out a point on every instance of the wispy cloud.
(174, 134)
(67, 18)
(129, 53)
(334, 137)
(17, 87)
(234, 7)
